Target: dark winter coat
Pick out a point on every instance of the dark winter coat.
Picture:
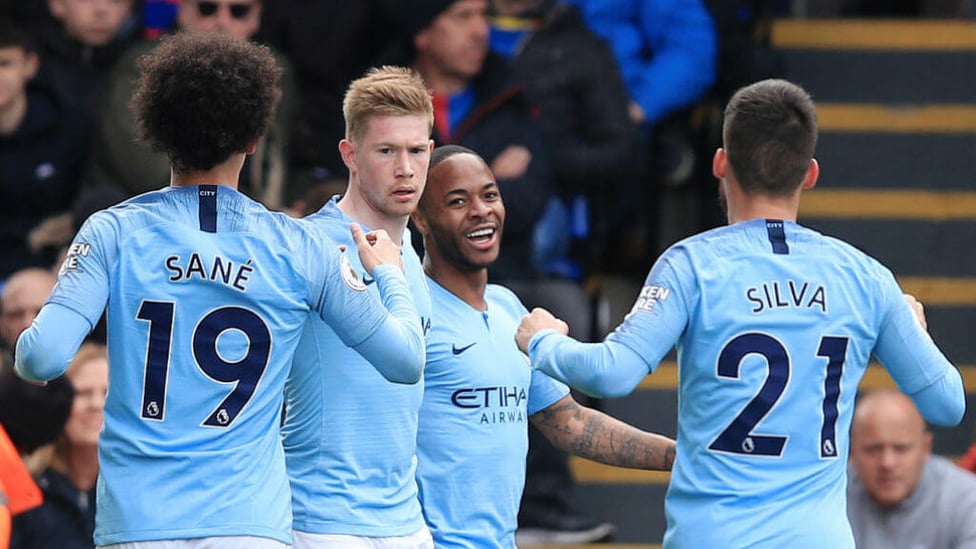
(501, 117)
(65, 520)
(40, 168)
(78, 71)
(572, 76)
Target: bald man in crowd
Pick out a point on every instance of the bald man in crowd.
(22, 297)
(899, 494)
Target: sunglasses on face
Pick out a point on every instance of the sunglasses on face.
(237, 11)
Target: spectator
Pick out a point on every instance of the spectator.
(362, 31)
(20, 300)
(208, 293)
(120, 160)
(479, 105)
(21, 434)
(349, 488)
(43, 145)
(571, 76)
(898, 493)
(67, 517)
(478, 390)
(667, 52)
(50, 406)
(766, 383)
(82, 44)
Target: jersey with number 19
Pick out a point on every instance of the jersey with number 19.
(206, 294)
(774, 325)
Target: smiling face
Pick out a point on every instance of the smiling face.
(90, 380)
(462, 214)
(388, 164)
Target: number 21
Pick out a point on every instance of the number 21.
(738, 437)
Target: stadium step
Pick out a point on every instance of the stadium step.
(898, 127)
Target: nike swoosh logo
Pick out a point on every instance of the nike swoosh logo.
(458, 350)
(367, 280)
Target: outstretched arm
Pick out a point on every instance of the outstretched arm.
(48, 345)
(591, 434)
(916, 363)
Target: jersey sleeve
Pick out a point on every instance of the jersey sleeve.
(388, 334)
(614, 367)
(397, 349)
(45, 349)
(83, 280)
(914, 361)
(544, 391)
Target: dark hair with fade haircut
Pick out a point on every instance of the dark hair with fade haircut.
(440, 154)
(769, 135)
(202, 97)
(444, 152)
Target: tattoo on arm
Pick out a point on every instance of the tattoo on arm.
(594, 435)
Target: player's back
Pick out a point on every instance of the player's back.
(208, 294)
(782, 322)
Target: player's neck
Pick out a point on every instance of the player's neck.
(744, 208)
(361, 212)
(468, 286)
(226, 173)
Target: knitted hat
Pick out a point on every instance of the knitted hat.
(32, 415)
(417, 15)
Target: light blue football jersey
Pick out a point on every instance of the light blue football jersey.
(774, 325)
(350, 435)
(473, 434)
(207, 294)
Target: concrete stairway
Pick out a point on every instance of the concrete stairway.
(897, 112)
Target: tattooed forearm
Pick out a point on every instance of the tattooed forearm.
(594, 435)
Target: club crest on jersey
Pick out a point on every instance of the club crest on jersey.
(76, 251)
(350, 276)
(649, 297)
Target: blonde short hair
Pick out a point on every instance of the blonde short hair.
(385, 91)
(87, 352)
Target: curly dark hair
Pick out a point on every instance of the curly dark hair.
(202, 97)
